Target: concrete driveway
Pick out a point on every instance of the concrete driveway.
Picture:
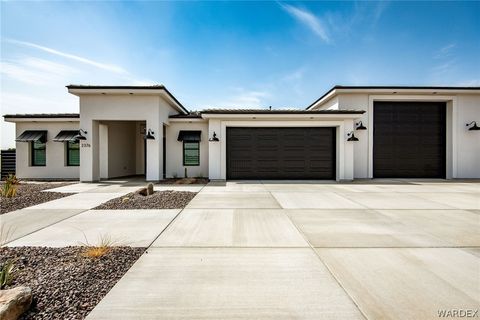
(381, 249)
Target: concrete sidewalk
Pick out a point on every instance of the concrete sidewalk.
(303, 250)
(386, 249)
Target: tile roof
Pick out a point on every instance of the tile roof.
(42, 115)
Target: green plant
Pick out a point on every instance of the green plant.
(6, 274)
(103, 246)
(9, 188)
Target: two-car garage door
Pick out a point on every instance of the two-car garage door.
(280, 153)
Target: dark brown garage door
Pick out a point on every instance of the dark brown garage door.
(280, 153)
(409, 140)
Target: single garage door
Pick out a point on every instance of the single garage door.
(409, 139)
(280, 153)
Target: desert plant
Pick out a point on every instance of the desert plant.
(103, 246)
(11, 178)
(9, 188)
(150, 189)
(6, 274)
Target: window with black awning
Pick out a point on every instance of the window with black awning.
(33, 136)
(66, 136)
(189, 135)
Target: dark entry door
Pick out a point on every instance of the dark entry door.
(280, 153)
(409, 140)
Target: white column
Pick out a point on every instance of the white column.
(89, 151)
(348, 151)
(214, 150)
(154, 151)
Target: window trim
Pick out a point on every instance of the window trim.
(32, 154)
(67, 149)
(198, 148)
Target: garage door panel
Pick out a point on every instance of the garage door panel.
(409, 139)
(281, 153)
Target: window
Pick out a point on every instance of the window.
(191, 153)
(39, 157)
(73, 153)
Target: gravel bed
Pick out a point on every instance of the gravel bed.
(158, 200)
(29, 194)
(65, 284)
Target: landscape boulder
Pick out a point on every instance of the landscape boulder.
(14, 302)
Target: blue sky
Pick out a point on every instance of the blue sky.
(230, 54)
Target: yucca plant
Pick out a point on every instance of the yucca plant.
(6, 274)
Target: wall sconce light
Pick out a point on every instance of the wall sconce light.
(149, 135)
(80, 136)
(360, 126)
(351, 136)
(214, 138)
(473, 126)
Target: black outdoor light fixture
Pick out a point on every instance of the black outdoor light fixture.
(149, 135)
(80, 135)
(473, 126)
(351, 136)
(214, 138)
(360, 126)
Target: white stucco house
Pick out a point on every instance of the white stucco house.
(351, 132)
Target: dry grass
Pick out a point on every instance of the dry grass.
(104, 245)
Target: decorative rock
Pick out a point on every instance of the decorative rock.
(150, 189)
(143, 192)
(14, 302)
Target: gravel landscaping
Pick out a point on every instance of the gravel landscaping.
(65, 284)
(30, 194)
(158, 200)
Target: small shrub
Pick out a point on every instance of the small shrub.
(103, 247)
(6, 274)
(9, 188)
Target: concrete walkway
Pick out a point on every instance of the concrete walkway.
(381, 249)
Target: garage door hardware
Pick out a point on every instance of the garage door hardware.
(351, 136)
(474, 127)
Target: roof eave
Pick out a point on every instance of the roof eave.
(79, 90)
(390, 90)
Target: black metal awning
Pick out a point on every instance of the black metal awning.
(32, 135)
(66, 135)
(189, 135)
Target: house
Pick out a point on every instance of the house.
(350, 132)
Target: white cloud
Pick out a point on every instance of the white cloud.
(104, 66)
(308, 19)
(445, 52)
(36, 71)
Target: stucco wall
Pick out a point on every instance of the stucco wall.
(175, 150)
(97, 107)
(468, 142)
(56, 167)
